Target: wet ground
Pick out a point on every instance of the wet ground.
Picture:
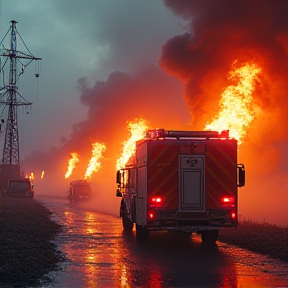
(101, 255)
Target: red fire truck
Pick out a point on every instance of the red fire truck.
(79, 190)
(181, 181)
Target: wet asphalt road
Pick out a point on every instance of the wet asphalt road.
(101, 255)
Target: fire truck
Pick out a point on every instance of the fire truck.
(181, 181)
(79, 190)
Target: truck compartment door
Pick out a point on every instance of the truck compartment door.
(191, 183)
(141, 196)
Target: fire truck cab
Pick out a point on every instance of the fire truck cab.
(181, 181)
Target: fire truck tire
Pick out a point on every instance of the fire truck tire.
(209, 236)
(127, 223)
(142, 233)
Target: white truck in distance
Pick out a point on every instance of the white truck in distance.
(20, 187)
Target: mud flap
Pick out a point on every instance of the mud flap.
(209, 236)
(142, 233)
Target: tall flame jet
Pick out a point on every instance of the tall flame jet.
(94, 163)
(71, 164)
(137, 129)
(236, 108)
(31, 176)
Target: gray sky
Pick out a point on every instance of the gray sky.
(75, 39)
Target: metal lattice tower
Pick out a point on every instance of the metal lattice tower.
(11, 99)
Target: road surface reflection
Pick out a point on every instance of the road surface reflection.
(101, 255)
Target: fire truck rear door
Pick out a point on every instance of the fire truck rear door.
(192, 188)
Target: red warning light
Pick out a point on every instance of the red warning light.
(228, 202)
(155, 200)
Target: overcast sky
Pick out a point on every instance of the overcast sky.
(76, 39)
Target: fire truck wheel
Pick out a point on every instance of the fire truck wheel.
(127, 223)
(142, 233)
(209, 236)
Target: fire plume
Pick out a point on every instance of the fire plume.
(71, 164)
(137, 129)
(31, 176)
(94, 163)
(236, 105)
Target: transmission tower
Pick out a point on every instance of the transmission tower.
(10, 99)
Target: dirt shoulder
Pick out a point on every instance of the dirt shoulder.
(264, 238)
(27, 253)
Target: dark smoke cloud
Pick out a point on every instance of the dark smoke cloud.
(220, 33)
(144, 93)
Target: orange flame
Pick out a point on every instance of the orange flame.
(137, 130)
(42, 174)
(71, 164)
(236, 110)
(31, 176)
(94, 163)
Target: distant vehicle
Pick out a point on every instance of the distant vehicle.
(20, 187)
(79, 190)
(181, 181)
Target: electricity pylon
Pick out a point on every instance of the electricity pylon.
(11, 99)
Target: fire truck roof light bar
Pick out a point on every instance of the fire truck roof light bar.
(161, 133)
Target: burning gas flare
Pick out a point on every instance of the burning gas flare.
(137, 129)
(71, 164)
(94, 163)
(236, 104)
(31, 176)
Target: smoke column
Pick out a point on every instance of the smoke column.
(220, 33)
(144, 93)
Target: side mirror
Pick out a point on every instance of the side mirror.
(241, 175)
(118, 177)
(118, 193)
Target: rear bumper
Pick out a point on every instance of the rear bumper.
(190, 221)
(79, 198)
(19, 194)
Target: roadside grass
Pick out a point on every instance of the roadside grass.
(264, 238)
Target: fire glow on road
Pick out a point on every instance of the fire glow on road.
(101, 255)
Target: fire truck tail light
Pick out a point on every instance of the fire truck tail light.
(228, 201)
(233, 215)
(151, 215)
(156, 200)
